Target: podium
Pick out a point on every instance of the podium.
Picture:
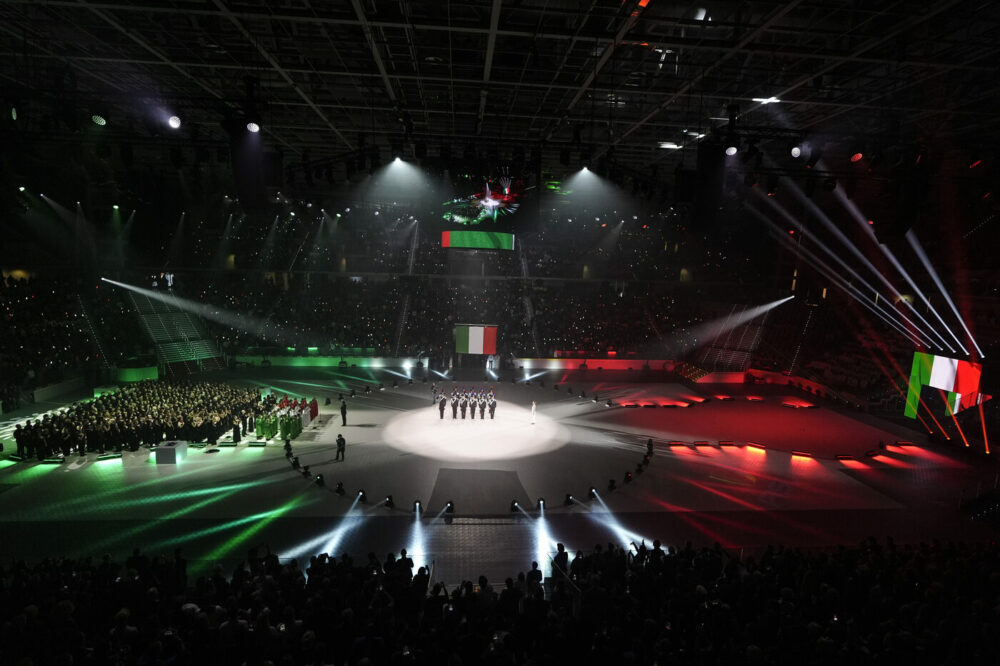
(170, 453)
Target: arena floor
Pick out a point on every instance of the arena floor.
(215, 506)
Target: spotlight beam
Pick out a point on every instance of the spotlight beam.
(895, 262)
(915, 244)
(241, 322)
(845, 241)
(607, 519)
(855, 212)
(852, 291)
(808, 234)
(713, 329)
(842, 284)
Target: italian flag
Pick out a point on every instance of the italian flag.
(475, 339)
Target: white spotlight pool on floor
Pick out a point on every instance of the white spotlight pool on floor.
(510, 435)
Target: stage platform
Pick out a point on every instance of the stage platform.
(745, 466)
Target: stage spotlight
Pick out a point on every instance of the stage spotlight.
(174, 122)
(449, 507)
(569, 499)
(857, 157)
(99, 118)
(592, 492)
(318, 480)
(21, 188)
(295, 462)
(388, 503)
(628, 477)
(416, 506)
(362, 497)
(340, 488)
(795, 149)
(253, 127)
(514, 506)
(732, 145)
(115, 207)
(611, 485)
(541, 503)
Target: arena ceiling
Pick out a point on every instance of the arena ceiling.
(505, 78)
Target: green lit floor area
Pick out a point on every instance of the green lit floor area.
(215, 506)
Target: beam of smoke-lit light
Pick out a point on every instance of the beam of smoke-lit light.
(833, 255)
(711, 330)
(919, 250)
(239, 321)
(866, 228)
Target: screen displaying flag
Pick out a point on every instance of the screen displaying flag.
(959, 379)
(485, 240)
(471, 339)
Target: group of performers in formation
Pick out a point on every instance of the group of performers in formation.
(147, 413)
(288, 419)
(151, 412)
(466, 399)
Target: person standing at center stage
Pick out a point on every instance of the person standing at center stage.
(341, 447)
(464, 404)
(532, 412)
(441, 406)
(472, 404)
(343, 412)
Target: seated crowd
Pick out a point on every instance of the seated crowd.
(870, 604)
(144, 413)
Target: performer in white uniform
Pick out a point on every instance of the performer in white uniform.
(532, 412)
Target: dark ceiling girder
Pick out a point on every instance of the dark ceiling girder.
(366, 27)
(600, 39)
(281, 72)
(650, 95)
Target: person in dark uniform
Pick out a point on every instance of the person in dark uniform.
(236, 431)
(454, 406)
(341, 447)
(482, 407)
(493, 408)
(472, 406)
(19, 439)
(343, 412)
(464, 405)
(441, 405)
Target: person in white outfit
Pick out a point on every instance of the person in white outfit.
(532, 412)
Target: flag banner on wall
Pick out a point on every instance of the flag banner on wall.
(471, 339)
(484, 240)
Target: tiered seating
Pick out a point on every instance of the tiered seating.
(176, 333)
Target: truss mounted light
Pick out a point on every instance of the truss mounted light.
(766, 100)
(174, 122)
(670, 145)
(732, 145)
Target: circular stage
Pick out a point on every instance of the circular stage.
(510, 435)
